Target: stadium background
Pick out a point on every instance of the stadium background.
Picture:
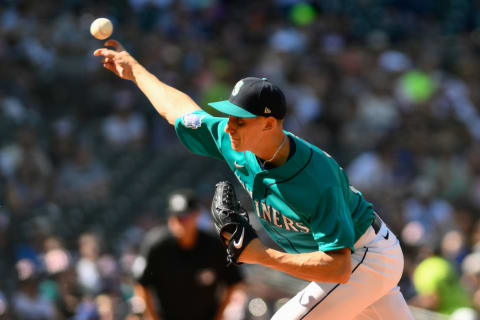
(388, 87)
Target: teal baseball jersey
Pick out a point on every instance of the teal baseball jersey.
(305, 205)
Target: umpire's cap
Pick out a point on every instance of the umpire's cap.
(181, 201)
(251, 97)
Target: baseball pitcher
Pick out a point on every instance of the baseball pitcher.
(330, 233)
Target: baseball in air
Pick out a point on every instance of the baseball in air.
(101, 28)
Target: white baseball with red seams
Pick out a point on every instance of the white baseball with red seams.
(101, 28)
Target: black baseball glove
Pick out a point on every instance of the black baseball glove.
(230, 217)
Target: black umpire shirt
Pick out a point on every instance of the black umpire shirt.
(186, 282)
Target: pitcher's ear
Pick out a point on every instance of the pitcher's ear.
(270, 123)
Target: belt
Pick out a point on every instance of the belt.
(376, 223)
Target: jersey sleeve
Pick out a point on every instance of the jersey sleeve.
(332, 225)
(201, 133)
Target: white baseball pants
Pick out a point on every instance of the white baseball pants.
(370, 294)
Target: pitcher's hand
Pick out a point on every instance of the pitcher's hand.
(119, 61)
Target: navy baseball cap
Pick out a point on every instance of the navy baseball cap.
(251, 97)
(181, 202)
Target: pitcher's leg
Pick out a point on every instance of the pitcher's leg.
(327, 301)
(340, 301)
(375, 272)
(297, 307)
(391, 306)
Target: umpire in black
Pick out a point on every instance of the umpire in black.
(183, 273)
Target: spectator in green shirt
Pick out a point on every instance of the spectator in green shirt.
(438, 286)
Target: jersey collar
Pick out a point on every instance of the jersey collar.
(291, 167)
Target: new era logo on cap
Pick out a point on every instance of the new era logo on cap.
(252, 97)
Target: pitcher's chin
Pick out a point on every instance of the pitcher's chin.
(236, 145)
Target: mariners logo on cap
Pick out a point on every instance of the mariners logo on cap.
(237, 87)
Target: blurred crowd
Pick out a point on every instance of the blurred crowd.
(388, 87)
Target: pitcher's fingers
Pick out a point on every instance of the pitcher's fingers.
(109, 66)
(104, 52)
(114, 43)
(107, 60)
